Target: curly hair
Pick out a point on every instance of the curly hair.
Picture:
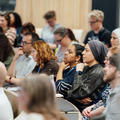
(44, 53)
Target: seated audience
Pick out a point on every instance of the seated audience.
(64, 37)
(48, 31)
(97, 31)
(115, 37)
(6, 51)
(23, 63)
(112, 76)
(90, 83)
(39, 102)
(6, 112)
(16, 22)
(7, 30)
(97, 108)
(67, 70)
(45, 58)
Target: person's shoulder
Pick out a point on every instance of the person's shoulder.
(35, 116)
(58, 25)
(98, 70)
(90, 32)
(106, 31)
(95, 69)
(45, 27)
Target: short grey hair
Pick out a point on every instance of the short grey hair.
(62, 31)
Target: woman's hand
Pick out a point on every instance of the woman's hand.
(85, 101)
(86, 111)
(60, 71)
(18, 53)
(80, 67)
(63, 66)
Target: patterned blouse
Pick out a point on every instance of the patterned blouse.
(102, 102)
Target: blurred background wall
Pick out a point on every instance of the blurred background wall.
(71, 13)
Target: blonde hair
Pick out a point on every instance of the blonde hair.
(42, 96)
(98, 14)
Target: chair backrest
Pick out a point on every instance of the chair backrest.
(12, 97)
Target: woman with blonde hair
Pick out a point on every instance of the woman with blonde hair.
(37, 99)
(115, 38)
(45, 58)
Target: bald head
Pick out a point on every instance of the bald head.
(3, 73)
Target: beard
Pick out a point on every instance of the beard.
(109, 77)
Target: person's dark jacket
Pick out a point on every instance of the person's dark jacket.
(63, 85)
(104, 36)
(50, 68)
(88, 84)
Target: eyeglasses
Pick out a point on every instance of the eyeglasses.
(25, 43)
(93, 22)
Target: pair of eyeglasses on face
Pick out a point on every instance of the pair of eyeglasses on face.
(93, 22)
(25, 43)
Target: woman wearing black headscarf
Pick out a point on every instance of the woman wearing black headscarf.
(90, 84)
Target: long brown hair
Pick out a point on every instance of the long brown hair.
(44, 53)
(42, 96)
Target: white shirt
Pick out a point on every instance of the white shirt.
(6, 112)
(31, 116)
(24, 66)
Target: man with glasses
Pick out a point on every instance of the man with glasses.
(98, 32)
(23, 63)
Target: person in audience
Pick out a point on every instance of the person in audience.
(6, 51)
(89, 84)
(16, 22)
(43, 95)
(112, 76)
(45, 58)
(28, 28)
(97, 31)
(48, 31)
(98, 108)
(6, 112)
(22, 63)
(7, 30)
(67, 70)
(115, 37)
(64, 37)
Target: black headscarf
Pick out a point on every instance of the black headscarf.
(99, 50)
